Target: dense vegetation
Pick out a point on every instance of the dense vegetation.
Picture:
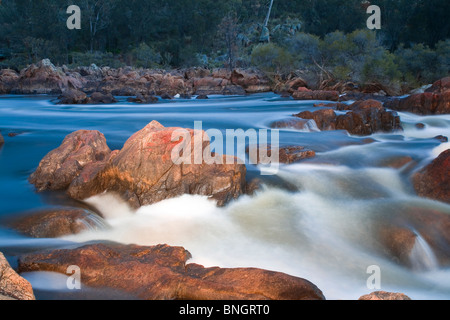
(322, 39)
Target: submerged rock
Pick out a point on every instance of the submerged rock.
(433, 181)
(11, 284)
(418, 238)
(102, 98)
(161, 273)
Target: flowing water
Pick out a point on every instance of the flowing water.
(315, 219)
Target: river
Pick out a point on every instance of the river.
(313, 219)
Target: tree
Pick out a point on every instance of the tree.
(97, 14)
(228, 32)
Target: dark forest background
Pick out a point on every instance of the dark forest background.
(329, 37)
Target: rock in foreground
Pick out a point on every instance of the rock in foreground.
(383, 295)
(143, 172)
(11, 284)
(161, 273)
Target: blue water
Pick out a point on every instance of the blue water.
(345, 188)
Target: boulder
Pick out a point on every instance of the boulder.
(252, 81)
(142, 172)
(101, 98)
(296, 124)
(11, 284)
(435, 100)
(433, 181)
(2, 140)
(58, 222)
(316, 95)
(286, 154)
(73, 97)
(364, 117)
(59, 167)
(45, 78)
(440, 86)
(398, 233)
(8, 80)
(143, 98)
(160, 273)
(196, 72)
(325, 118)
(383, 295)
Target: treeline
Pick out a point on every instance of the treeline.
(316, 35)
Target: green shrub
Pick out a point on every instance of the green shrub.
(272, 58)
(146, 57)
(101, 59)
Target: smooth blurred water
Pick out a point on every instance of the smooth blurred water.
(314, 221)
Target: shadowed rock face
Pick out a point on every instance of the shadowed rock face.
(142, 172)
(160, 272)
(433, 181)
(11, 284)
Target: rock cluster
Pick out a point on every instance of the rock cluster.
(142, 172)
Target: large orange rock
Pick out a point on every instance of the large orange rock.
(142, 172)
(59, 167)
(161, 273)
